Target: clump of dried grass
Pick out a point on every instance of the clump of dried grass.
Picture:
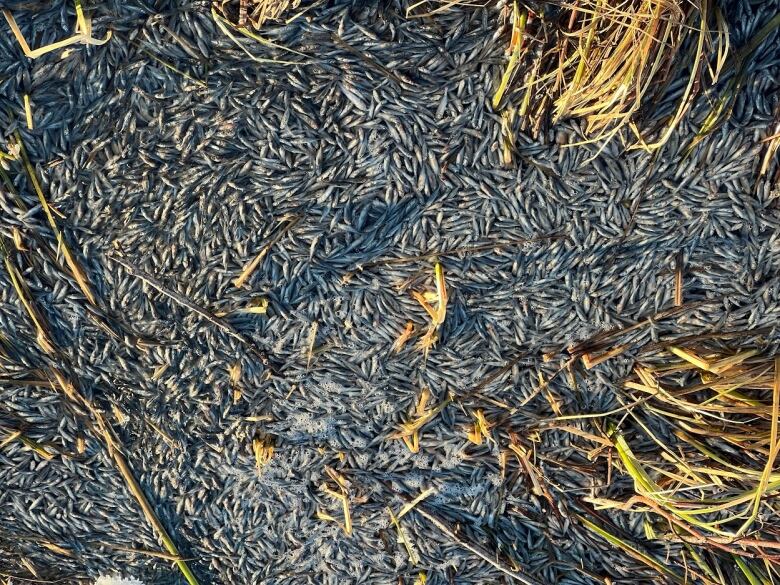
(253, 12)
(609, 63)
(700, 440)
(697, 435)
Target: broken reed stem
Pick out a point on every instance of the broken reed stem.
(413, 556)
(774, 447)
(736, 546)
(112, 444)
(678, 281)
(170, 66)
(28, 112)
(581, 349)
(631, 550)
(76, 271)
(99, 316)
(151, 517)
(23, 292)
(102, 427)
(600, 340)
(77, 398)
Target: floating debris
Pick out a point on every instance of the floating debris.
(480, 430)
(435, 304)
(340, 493)
(263, 448)
(405, 335)
(409, 432)
(83, 35)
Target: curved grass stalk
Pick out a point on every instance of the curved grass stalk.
(75, 267)
(519, 21)
(685, 101)
(631, 550)
(225, 26)
(774, 449)
(83, 35)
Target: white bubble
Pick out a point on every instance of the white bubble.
(117, 581)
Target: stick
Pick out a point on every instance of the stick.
(455, 251)
(113, 445)
(151, 517)
(678, 280)
(252, 266)
(192, 306)
(477, 550)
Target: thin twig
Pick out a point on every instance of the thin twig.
(678, 280)
(475, 549)
(192, 306)
(368, 60)
(252, 266)
(151, 517)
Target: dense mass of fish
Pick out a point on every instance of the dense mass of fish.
(375, 132)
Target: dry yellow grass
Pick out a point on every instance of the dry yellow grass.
(607, 63)
(254, 12)
(435, 304)
(82, 34)
(700, 441)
